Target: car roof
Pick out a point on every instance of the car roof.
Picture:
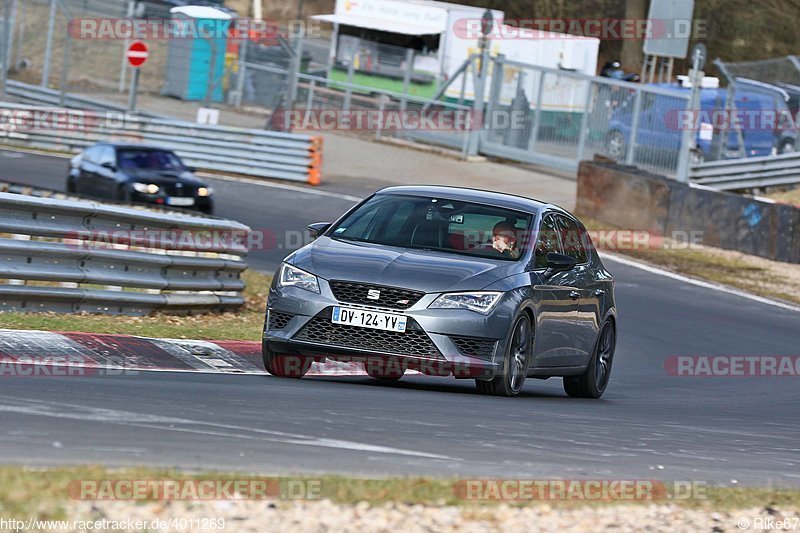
(131, 145)
(709, 94)
(496, 199)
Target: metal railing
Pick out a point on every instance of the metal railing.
(215, 148)
(749, 173)
(69, 256)
(562, 117)
(37, 95)
(316, 95)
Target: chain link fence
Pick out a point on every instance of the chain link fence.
(558, 118)
(532, 114)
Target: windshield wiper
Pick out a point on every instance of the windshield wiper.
(351, 239)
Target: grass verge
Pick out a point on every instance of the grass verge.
(47, 493)
(756, 275)
(790, 196)
(246, 324)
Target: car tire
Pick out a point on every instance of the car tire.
(285, 366)
(615, 145)
(696, 157)
(123, 194)
(786, 147)
(594, 381)
(515, 363)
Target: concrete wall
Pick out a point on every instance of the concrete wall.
(629, 198)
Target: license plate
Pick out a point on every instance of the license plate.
(368, 319)
(180, 202)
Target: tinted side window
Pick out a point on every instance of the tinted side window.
(546, 242)
(107, 156)
(92, 155)
(572, 239)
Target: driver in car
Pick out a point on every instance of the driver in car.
(504, 239)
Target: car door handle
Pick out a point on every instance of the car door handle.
(599, 292)
(574, 295)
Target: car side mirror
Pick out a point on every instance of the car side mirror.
(109, 165)
(318, 228)
(559, 263)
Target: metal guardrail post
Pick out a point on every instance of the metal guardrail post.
(310, 97)
(630, 149)
(48, 47)
(688, 137)
(294, 72)
(584, 133)
(479, 102)
(348, 92)
(4, 45)
(241, 73)
(537, 112)
(494, 95)
(407, 78)
(65, 70)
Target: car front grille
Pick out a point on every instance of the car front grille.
(412, 342)
(172, 189)
(389, 297)
(473, 347)
(278, 320)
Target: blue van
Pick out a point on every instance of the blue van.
(660, 129)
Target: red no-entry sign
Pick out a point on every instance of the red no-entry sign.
(137, 54)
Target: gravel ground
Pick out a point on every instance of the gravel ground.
(254, 516)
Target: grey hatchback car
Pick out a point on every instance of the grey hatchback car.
(447, 281)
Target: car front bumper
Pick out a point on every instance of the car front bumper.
(436, 341)
(201, 203)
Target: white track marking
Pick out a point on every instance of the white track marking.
(700, 283)
(95, 414)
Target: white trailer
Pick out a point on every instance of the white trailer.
(372, 38)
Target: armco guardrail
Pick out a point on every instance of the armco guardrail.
(249, 152)
(748, 173)
(38, 95)
(177, 263)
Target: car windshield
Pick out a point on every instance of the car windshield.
(148, 160)
(439, 224)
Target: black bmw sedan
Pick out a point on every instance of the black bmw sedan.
(138, 173)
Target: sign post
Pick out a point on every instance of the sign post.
(136, 55)
(688, 137)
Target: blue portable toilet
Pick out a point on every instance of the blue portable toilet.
(200, 41)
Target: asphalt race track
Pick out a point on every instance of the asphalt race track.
(649, 425)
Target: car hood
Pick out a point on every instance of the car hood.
(164, 176)
(423, 270)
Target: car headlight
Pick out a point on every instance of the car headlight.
(205, 191)
(294, 277)
(481, 302)
(146, 188)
